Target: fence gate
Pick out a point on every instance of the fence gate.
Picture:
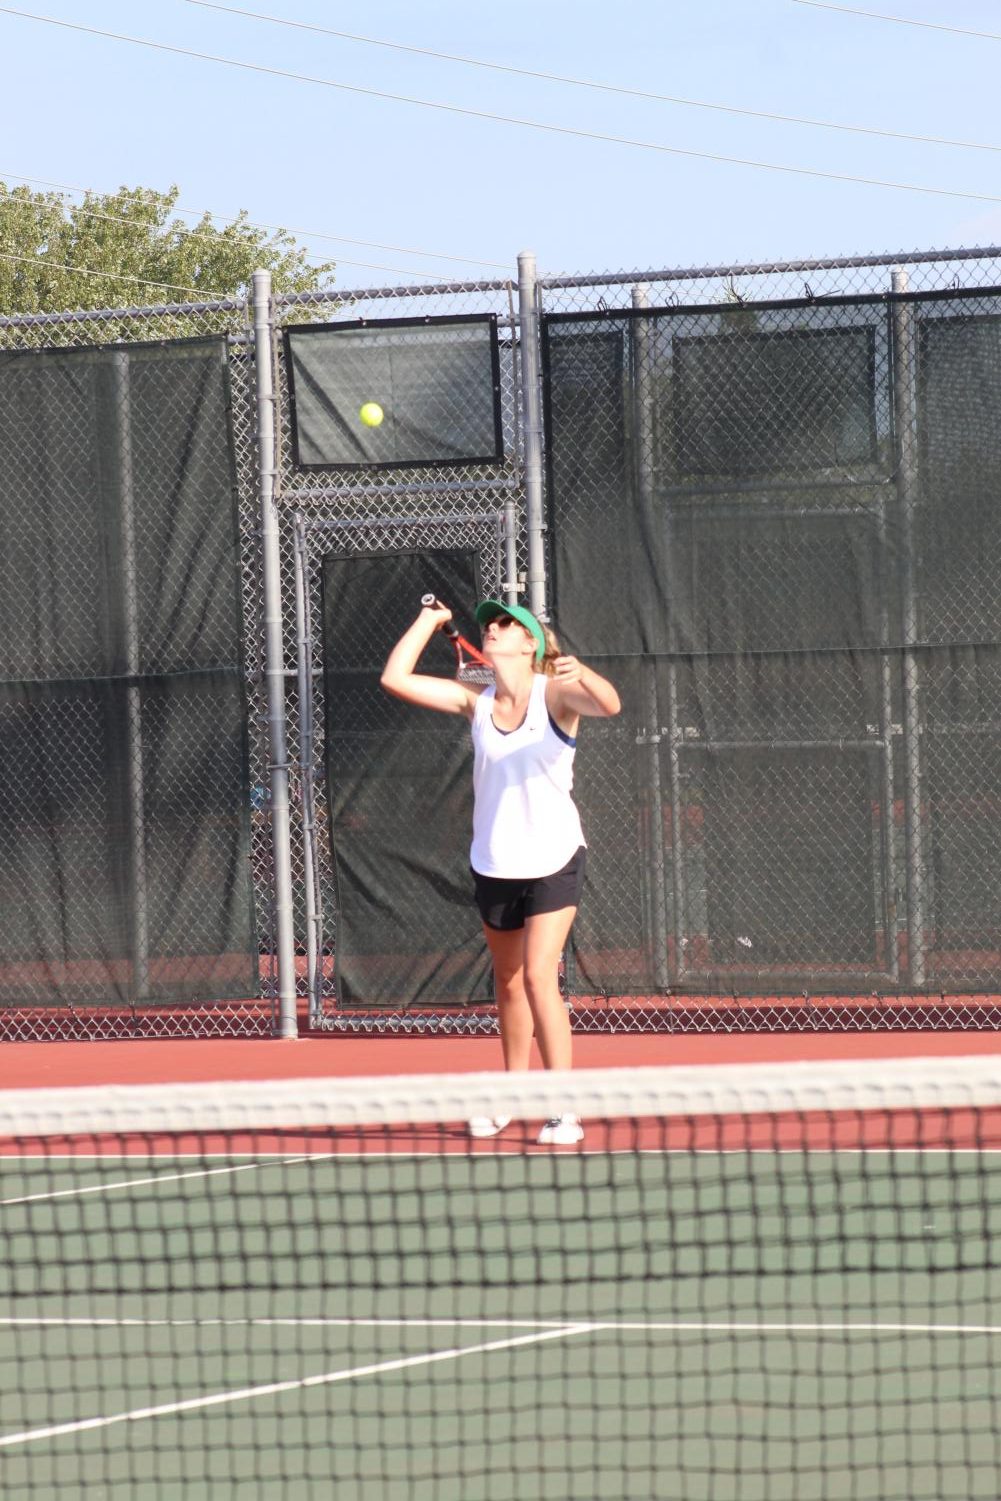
(432, 497)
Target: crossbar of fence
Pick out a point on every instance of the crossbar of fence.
(767, 268)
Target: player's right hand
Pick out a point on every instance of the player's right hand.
(440, 613)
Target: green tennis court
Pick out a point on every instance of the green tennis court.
(505, 1324)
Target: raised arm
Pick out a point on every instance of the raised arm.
(400, 679)
(578, 689)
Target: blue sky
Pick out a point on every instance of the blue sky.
(89, 111)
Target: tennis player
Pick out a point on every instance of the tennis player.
(528, 849)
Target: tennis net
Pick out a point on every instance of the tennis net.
(764, 1282)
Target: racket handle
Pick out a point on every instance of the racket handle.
(428, 601)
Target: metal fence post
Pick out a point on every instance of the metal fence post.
(307, 789)
(531, 419)
(650, 735)
(133, 693)
(274, 665)
(905, 417)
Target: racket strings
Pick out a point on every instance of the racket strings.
(475, 672)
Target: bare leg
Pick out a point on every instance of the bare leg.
(544, 939)
(507, 950)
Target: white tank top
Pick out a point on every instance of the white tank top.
(525, 821)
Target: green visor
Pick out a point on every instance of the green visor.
(491, 608)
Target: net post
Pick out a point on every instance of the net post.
(531, 420)
(274, 666)
(903, 328)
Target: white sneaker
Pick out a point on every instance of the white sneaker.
(561, 1131)
(488, 1125)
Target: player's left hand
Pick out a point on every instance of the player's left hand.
(567, 670)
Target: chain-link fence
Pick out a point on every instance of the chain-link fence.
(764, 500)
(774, 508)
(126, 829)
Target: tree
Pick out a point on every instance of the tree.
(117, 250)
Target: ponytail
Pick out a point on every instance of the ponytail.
(548, 664)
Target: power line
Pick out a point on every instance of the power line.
(874, 15)
(254, 224)
(565, 130)
(90, 213)
(136, 281)
(606, 88)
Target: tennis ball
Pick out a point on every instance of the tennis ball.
(371, 414)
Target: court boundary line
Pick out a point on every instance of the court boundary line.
(205, 1172)
(277, 1159)
(557, 1326)
(549, 1330)
(494, 1148)
(273, 1388)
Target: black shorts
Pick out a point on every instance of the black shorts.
(504, 904)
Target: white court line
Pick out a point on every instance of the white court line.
(217, 1399)
(29, 1321)
(730, 1327)
(154, 1156)
(649, 1326)
(494, 1148)
(98, 1188)
(271, 1160)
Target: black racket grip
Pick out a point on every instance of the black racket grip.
(427, 602)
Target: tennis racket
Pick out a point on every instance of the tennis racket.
(471, 666)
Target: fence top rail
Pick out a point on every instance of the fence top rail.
(342, 295)
(105, 315)
(767, 268)
(365, 294)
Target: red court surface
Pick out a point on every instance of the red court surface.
(54, 1064)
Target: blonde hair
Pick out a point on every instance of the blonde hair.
(552, 651)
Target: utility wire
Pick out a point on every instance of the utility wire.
(251, 224)
(565, 130)
(606, 88)
(874, 15)
(137, 281)
(90, 213)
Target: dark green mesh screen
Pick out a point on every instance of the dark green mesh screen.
(400, 789)
(766, 401)
(437, 381)
(124, 829)
(778, 527)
